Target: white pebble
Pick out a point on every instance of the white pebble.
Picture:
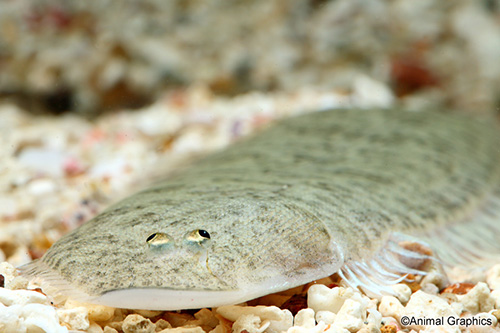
(452, 299)
(457, 307)
(495, 294)
(94, 328)
(390, 306)
(41, 187)
(374, 317)
(325, 316)
(190, 141)
(30, 318)
(429, 288)
(371, 93)
(44, 160)
(134, 323)
(95, 312)
(233, 312)
(423, 305)
(277, 320)
(350, 316)
(12, 280)
(320, 297)
(478, 299)
(371, 303)
(403, 292)
(278, 326)
(250, 323)
(154, 120)
(109, 167)
(76, 318)
(305, 318)
(436, 278)
(493, 277)
(21, 297)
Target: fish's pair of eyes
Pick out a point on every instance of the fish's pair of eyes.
(198, 236)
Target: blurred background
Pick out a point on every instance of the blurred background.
(93, 57)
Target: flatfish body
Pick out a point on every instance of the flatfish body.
(332, 191)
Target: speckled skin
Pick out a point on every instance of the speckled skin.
(289, 205)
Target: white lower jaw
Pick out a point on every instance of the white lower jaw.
(175, 299)
(168, 299)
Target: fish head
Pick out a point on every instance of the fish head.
(201, 253)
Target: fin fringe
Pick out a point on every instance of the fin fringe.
(470, 242)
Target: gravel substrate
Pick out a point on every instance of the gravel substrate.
(202, 74)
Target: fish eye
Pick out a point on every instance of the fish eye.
(198, 236)
(204, 233)
(158, 239)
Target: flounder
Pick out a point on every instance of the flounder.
(329, 192)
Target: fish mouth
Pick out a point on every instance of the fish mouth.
(170, 299)
(147, 298)
(167, 299)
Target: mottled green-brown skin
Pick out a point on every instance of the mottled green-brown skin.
(273, 203)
